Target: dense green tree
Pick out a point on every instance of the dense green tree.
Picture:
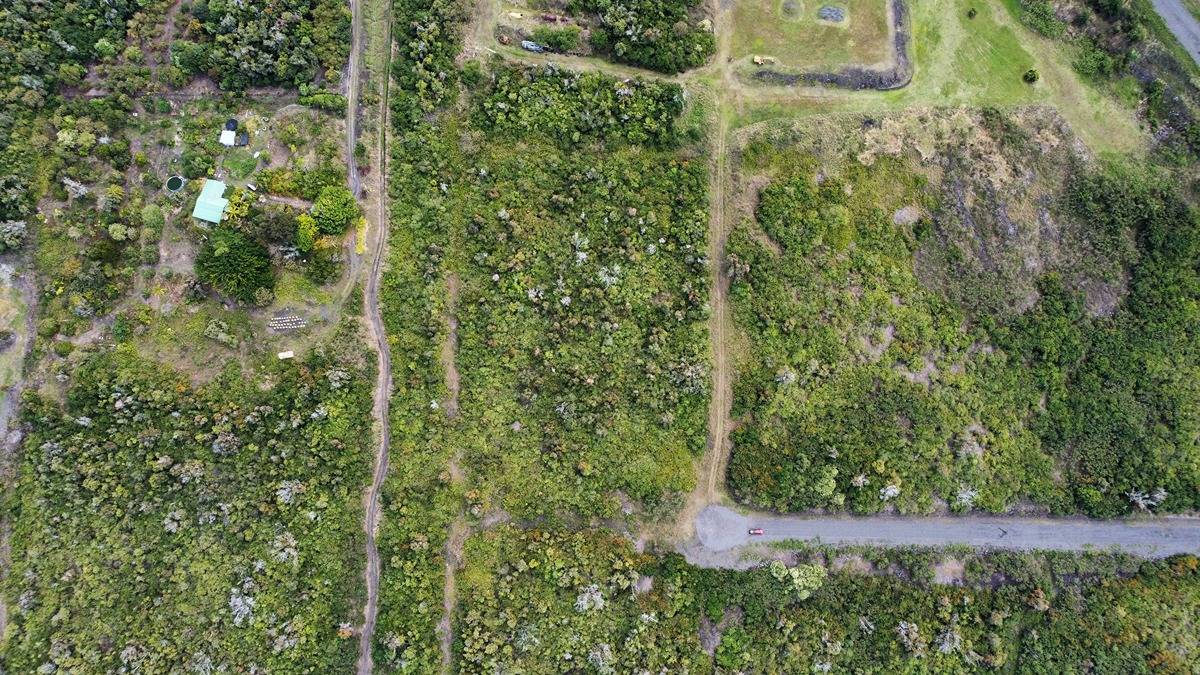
(656, 34)
(334, 210)
(234, 264)
(306, 232)
(286, 42)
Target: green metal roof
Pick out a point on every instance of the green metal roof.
(211, 203)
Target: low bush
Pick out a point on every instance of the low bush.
(1039, 15)
(557, 39)
(234, 264)
(573, 107)
(656, 34)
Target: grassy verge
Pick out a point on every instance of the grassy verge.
(978, 62)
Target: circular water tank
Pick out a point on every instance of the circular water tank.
(174, 183)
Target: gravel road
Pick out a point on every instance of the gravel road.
(1181, 22)
(720, 529)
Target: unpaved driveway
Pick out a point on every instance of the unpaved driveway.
(720, 528)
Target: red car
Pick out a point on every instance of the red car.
(756, 530)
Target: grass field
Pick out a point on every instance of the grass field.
(295, 289)
(12, 317)
(241, 163)
(977, 62)
(791, 32)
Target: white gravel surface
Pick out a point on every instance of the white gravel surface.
(1182, 24)
(722, 529)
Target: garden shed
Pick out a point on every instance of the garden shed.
(211, 203)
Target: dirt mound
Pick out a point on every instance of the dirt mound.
(999, 226)
(997, 222)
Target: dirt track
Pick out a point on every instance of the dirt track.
(459, 530)
(383, 380)
(710, 479)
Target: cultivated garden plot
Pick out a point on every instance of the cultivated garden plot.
(276, 166)
(960, 309)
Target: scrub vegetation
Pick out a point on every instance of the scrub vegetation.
(962, 323)
(582, 266)
(581, 296)
(166, 527)
(952, 309)
(664, 35)
(419, 502)
(546, 601)
(239, 44)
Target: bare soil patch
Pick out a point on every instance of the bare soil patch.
(949, 572)
(710, 633)
(875, 345)
(853, 563)
(453, 555)
(450, 346)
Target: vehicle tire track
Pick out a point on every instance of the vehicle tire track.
(383, 380)
(710, 481)
(452, 553)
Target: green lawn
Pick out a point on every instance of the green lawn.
(241, 163)
(293, 288)
(789, 30)
(977, 62)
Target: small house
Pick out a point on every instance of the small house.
(243, 139)
(228, 138)
(210, 205)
